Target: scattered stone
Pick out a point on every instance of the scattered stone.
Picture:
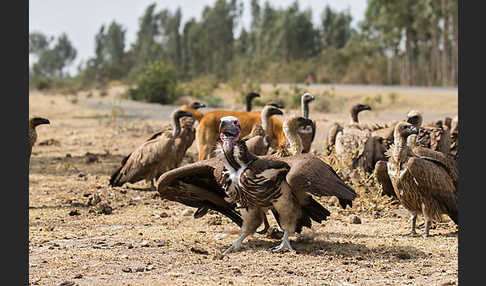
(79, 276)
(81, 175)
(164, 215)
(50, 142)
(140, 269)
(187, 212)
(74, 212)
(215, 220)
(93, 200)
(91, 158)
(355, 220)
(104, 208)
(402, 255)
(220, 236)
(199, 250)
(144, 244)
(149, 267)
(127, 269)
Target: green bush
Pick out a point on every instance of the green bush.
(157, 83)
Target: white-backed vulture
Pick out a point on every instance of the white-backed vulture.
(241, 186)
(153, 157)
(33, 123)
(423, 180)
(307, 133)
(257, 142)
(437, 139)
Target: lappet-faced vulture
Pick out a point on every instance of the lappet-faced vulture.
(241, 186)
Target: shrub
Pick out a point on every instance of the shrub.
(157, 83)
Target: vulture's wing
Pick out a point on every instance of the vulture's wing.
(199, 185)
(381, 174)
(310, 174)
(439, 158)
(433, 180)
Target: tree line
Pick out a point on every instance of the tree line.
(408, 42)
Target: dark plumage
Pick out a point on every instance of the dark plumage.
(247, 185)
(153, 157)
(423, 180)
(33, 123)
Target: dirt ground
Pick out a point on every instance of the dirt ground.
(82, 232)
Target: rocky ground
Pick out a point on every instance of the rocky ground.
(82, 232)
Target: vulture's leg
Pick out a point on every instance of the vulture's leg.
(152, 185)
(252, 219)
(284, 245)
(427, 227)
(265, 223)
(414, 222)
(237, 244)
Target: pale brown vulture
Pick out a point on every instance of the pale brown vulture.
(258, 141)
(153, 157)
(33, 123)
(434, 138)
(424, 181)
(241, 186)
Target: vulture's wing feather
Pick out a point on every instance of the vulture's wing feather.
(439, 158)
(198, 185)
(310, 174)
(432, 179)
(381, 174)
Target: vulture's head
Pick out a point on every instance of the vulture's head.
(197, 105)
(404, 129)
(35, 121)
(276, 104)
(360, 107)
(179, 113)
(229, 131)
(448, 122)
(295, 123)
(307, 97)
(415, 117)
(270, 110)
(251, 95)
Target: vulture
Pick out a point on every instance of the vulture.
(435, 138)
(355, 147)
(454, 138)
(258, 141)
(241, 186)
(33, 123)
(193, 109)
(153, 157)
(337, 127)
(424, 181)
(249, 98)
(307, 133)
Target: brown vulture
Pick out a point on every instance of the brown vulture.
(33, 123)
(307, 133)
(242, 186)
(153, 157)
(258, 141)
(424, 181)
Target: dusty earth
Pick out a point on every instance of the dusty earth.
(82, 232)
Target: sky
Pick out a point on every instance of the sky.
(81, 20)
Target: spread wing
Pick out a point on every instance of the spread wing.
(310, 174)
(199, 185)
(381, 174)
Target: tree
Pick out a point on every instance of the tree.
(53, 61)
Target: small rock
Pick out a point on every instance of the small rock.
(91, 158)
(104, 208)
(149, 267)
(163, 215)
(355, 220)
(127, 269)
(81, 174)
(199, 250)
(79, 276)
(187, 212)
(140, 269)
(74, 212)
(144, 244)
(67, 283)
(403, 255)
(93, 200)
(215, 220)
(220, 236)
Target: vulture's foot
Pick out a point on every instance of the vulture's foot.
(236, 245)
(284, 245)
(266, 225)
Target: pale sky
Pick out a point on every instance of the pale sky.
(81, 20)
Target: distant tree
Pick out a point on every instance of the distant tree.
(53, 61)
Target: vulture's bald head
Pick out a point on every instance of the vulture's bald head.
(415, 117)
(404, 129)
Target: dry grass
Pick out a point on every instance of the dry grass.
(148, 241)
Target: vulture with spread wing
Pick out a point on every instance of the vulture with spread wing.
(242, 186)
(424, 181)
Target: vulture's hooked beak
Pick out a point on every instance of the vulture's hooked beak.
(40, 120)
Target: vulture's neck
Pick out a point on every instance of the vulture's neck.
(294, 140)
(237, 158)
(176, 127)
(354, 116)
(401, 150)
(266, 121)
(305, 109)
(248, 104)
